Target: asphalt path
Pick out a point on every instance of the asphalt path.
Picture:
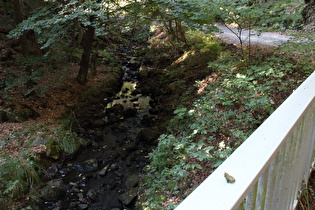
(270, 39)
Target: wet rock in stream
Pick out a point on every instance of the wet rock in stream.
(128, 196)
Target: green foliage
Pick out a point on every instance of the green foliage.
(55, 20)
(282, 15)
(228, 110)
(18, 175)
(202, 41)
(191, 12)
(29, 72)
(67, 140)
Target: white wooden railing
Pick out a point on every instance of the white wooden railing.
(271, 166)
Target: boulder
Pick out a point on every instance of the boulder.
(147, 135)
(109, 140)
(52, 149)
(3, 116)
(92, 194)
(90, 165)
(128, 196)
(7, 117)
(132, 181)
(149, 120)
(52, 193)
(25, 112)
(56, 183)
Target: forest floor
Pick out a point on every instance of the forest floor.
(62, 94)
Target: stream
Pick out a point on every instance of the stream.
(105, 175)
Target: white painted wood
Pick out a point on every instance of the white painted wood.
(254, 156)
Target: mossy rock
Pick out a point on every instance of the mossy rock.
(52, 193)
(7, 117)
(3, 116)
(52, 149)
(25, 112)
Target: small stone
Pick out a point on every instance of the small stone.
(90, 165)
(114, 166)
(92, 194)
(75, 190)
(80, 195)
(73, 204)
(55, 183)
(74, 184)
(104, 170)
(83, 206)
(52, 170)
(128, 196)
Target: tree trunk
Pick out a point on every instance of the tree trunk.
(93, 63)
(88, 38)
(18, 9)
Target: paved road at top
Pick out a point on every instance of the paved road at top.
(264, 39)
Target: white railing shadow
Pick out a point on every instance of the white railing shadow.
(270, 167)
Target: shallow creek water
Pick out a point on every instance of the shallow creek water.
(105, 175)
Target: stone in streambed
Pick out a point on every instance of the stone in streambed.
(109, 140)
(147, 135)
(51, 193)
(132, 181)
(128, 196)
(73, 204)
(83, 206)
(56, 183)
(149, 120)
(53, 150)
(92, 194)
(104, 170)
(90, 165)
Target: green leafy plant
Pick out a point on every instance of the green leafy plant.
(232, 103)
(18, 175)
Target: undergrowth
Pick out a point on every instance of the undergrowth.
(233, 101)
(21, 160)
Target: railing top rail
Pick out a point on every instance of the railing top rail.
(254, 154)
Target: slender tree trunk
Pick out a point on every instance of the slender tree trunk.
(181, 31)
(19, 17)
(93, 63)
(88, 38)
